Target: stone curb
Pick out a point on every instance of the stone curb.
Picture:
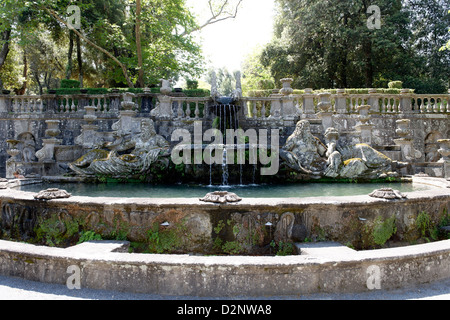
(322, 268)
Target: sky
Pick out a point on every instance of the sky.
(227, 43)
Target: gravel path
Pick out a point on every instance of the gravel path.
(19, 289)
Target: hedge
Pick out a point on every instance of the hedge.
(266, 93)
(97, 91)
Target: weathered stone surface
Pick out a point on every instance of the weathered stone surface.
(221, 197)
(52, 193)
(387, 193)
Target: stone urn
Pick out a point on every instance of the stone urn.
(325, 102)
(403, 130)
(444, 149)
(90, 116)
(13, 151)
(52, 128)
(127, 103)
(165, 87)
(287, 89)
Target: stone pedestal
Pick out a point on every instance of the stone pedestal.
(405, 101)
(365, 127)
(289, 110)
(47, 153)
(325, 113)
(341, 101)
(164, 108)
(445, 152)
(89, 138)
(405, 141)
(373, 101)
(4, 103)
(308, 102)
(275, 106)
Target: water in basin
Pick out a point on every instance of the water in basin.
(139, 190)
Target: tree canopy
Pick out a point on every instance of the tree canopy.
(328, 44)
(118, 43)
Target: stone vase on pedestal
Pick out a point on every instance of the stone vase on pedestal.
(286, 89)
(444, 150)
(47, 153)
(365, 127)
(405, 141)
(325, 113)
(89, 138)
(165, 87)
(289, 110)
(12, 150)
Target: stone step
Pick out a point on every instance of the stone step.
(324, 249)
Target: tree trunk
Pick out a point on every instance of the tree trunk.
(369, 63)
(69, 56)
(140, 82)
(4, 51)
(21, 90)
(80, 62)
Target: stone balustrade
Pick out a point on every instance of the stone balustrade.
(276, 106)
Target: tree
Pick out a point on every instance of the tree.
(124, 42)
(254, 75)
(326, 44)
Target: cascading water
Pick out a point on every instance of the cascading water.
(224, 168)
(227, 118)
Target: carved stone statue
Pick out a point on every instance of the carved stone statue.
(28, 147)
(334, 157)
(307, 155)
(128, 154)
(303, 152)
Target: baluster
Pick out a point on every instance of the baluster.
(428, 105)
(245, 106)
(32, 105)
(180, 111)
(254, 110)
(72, 107)
(421, 105)
(436, 107)
(99, 104)
(21, 106)
(263, 109)
(23, 102)
(351, 107)
(188, 110)
(40, 107)
(105, 104)
(197, 110)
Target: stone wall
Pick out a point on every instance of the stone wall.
(348, 220)
(18, 118)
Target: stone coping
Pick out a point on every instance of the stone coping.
(320, 269)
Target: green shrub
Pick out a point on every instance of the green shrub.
(89, 236)
(192, 84)
(383, 230)
(423, 223)
(68, 83)
(395, 85)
